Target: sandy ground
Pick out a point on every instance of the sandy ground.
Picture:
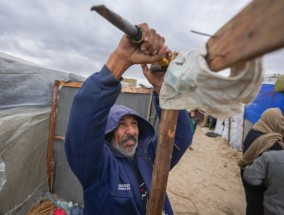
(207, 179)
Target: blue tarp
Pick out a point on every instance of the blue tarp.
(265, 99)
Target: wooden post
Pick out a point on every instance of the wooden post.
(256, 30)
(50, 157)
(162, 162)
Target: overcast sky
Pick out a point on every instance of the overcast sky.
(66, 35)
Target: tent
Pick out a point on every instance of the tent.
(266, 98)
(235, 129)
(34, 109)
(25, 98)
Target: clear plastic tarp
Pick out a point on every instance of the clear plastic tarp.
(25, 99)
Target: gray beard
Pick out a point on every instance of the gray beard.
(122, 151)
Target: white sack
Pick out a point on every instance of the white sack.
(190, 84)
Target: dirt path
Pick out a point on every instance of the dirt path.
(207, 180)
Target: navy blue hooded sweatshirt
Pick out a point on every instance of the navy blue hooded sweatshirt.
(108, 179)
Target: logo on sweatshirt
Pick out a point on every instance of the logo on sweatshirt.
(123, 187)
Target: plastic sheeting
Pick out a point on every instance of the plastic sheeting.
(24, 84)
(233, 131)
(265, 99)
(25, 98)
(24, 138)
(2, 173)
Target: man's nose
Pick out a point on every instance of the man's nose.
(130, 130)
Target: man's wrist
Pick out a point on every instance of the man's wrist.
(117, 65)
(157, 90)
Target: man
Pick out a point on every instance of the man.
(265, 135)
(110, 148)
(268, 169)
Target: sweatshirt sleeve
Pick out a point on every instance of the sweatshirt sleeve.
(255, 173)
(84, 140)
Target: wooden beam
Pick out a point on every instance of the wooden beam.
(50, 152)
(123, 89)
(136, 90)
(71, 84)
(149, 106)
(162, 162)
(256, 30)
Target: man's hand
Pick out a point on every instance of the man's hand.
(128, 53)
(156, 78)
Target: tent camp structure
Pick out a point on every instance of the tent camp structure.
(266, 98)
(25, 98)
(235, 129)
(34, 109)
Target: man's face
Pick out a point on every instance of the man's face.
(125, 137)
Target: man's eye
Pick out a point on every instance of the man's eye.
(120, 125)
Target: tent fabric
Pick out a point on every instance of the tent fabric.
(2, 173)
(233, 131)
(23, 148)
(189, 83)
(25, 99)
(265, 99)
(24, 84)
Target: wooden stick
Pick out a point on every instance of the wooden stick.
(149, 106)
(50, 152)
(256, 30)
(162, 162)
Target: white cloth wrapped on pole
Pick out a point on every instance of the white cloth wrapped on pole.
(189, 83)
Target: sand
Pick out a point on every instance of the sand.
(207, 179)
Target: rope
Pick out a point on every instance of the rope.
(197, 211)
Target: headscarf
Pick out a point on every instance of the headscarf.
(271, 123)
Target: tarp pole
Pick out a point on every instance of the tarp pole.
(50, 152)
(162, 161)
(253, 32)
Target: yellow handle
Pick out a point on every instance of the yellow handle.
(164, 62)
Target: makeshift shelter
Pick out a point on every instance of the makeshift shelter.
(235, 129)
(34, 109)
(25, 99)
(266, 98)
(230, 129)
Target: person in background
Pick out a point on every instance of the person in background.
(266, 134)
(268, 169)
(111, 148)
(193, 123)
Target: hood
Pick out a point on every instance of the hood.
(118, 111)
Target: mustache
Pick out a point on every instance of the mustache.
(127, 138)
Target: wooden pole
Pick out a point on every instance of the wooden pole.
(50, 157)
(162, 162)
(256, 30)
